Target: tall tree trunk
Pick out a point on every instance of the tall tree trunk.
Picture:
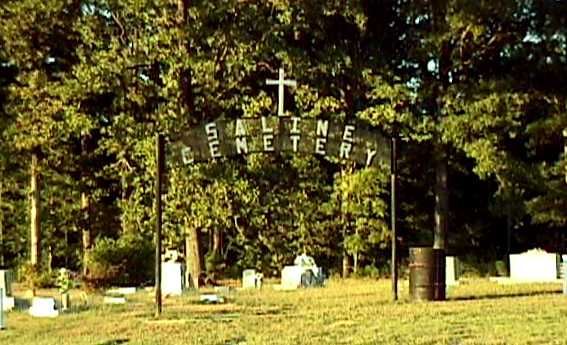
(86, 230)
(217, 242)
(439, 10)
(441, 202)
(193, 254)
(1, 227)
(35, 217)
(192, 257)
(345, 265)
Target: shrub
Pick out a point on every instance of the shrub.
(33, 278)
(128, 260)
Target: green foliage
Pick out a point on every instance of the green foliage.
(124, 261)
(63, 280)
(33, 278)
(86, 85)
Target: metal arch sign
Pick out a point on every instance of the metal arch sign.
(336, 140)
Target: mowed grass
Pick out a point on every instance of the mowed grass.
(344, 312)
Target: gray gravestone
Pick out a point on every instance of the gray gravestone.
(8, 301)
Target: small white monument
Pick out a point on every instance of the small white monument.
(535, 265)
(43, 307)
(251, 279)
(8, 301)
(304, 273)
(172, 282)
(291, 277)
(451, 278)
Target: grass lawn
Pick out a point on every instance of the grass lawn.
(344, 312)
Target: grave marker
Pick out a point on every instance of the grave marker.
(534, 265)
(451, 275)
(172, 282)
(43, 307)
(8, 301)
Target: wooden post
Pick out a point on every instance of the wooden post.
(158, 183)
(1, 227)
(393, 206)
(565, 151)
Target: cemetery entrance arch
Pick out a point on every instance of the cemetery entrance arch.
(335, 140)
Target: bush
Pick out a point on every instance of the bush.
(128, 260)
(33, 278)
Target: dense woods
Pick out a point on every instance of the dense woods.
(474, 90)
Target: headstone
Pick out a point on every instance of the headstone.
(251, 279)
(304, 273)
(535, 265)
(43, 307)
(291, 277)
(114, 300)
(172, 282)
(8, 301)
(451, 271)
(211, 298)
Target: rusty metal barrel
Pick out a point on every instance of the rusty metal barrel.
(427, 274)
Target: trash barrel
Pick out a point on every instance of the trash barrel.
(427, 274)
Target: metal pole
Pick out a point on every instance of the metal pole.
(393, 205)
(2, 325)
(158, 183)
(565, 151)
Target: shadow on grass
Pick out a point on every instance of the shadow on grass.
(500, 296)
(114, 342)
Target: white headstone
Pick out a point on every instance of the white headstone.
(535, 265)
(291, 277)
(450, 271)
(43, 307)
(8, 302)
(172, 282)
(211, 298)
(6, 282)
(249, 279)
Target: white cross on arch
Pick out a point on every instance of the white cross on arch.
(281, 83)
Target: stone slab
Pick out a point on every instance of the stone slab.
(211, 298)
(43, 307)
